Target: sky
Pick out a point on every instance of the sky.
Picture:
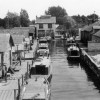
(38, 7)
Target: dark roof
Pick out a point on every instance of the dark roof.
(46, 19)
(5, 41)
(87, 28)
(18, 39)
(97, 34)
(90, 27)
(17, 30)
(32, 30)
(61, 28)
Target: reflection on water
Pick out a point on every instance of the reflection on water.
(73, 64)
(91, 76)
(71, 80)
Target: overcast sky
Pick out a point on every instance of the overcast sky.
(38, 7)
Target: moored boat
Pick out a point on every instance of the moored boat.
(43, 48)
(37, 89)
(73, 52)
(41, 66)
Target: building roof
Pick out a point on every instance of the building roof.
(18, 39)
(32, 30)
(61, 28)
(96, 27)
(90, 27)
(5, 41)
(97, 34)
(17, 30)
(46, 19)
(87, 28)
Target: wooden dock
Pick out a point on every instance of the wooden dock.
(9, 89)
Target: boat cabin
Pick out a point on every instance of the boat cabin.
(73, 51)
(43, 40)
(43, 47)
(41, 66)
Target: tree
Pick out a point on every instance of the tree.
(58, 12)
(24, 18)
(12, 20)
(92, 18)
(69, 22)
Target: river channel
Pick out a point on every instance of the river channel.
(71, 80)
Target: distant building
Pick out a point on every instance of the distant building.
(88, 31)
(45, 25)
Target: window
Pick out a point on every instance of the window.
(49, 25)
(40, 25)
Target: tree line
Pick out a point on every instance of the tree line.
(72, 23)
(15, 20)
(62, 18)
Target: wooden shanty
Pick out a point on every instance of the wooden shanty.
(6, 43)
(18, 49)
(88, 31)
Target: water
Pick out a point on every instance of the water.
(71, 80)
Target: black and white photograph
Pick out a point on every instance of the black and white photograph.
(49, 49)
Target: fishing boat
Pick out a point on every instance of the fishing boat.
(37, 89)
(70, 41)
(43, 41)
(41, 66)
(73, 52)
(43, 48)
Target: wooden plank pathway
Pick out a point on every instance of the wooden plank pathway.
(7, 88)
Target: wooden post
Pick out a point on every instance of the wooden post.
(14, 94)
(10, 58)
(17, 50)
(18, 88)
(27, 66)
(6, 74)
(24, 55)
(29, 71)
(22, 80)
(20, 58)
(2, 61)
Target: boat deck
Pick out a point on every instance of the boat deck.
(36, 89)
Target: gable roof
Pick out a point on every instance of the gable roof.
(90, 27)
(18, 39)
(97, 34)
(17, 30)
(87, 28)
(5, 41)
(46, 19)
(96, 27)
(61, 28)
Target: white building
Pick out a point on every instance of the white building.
(45, 25)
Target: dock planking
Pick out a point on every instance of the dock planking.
(7, 95)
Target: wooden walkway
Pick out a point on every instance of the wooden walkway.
(6, 94)
(7, 88)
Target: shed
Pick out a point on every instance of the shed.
(96, 37)
(18, 49)
(6, 43)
